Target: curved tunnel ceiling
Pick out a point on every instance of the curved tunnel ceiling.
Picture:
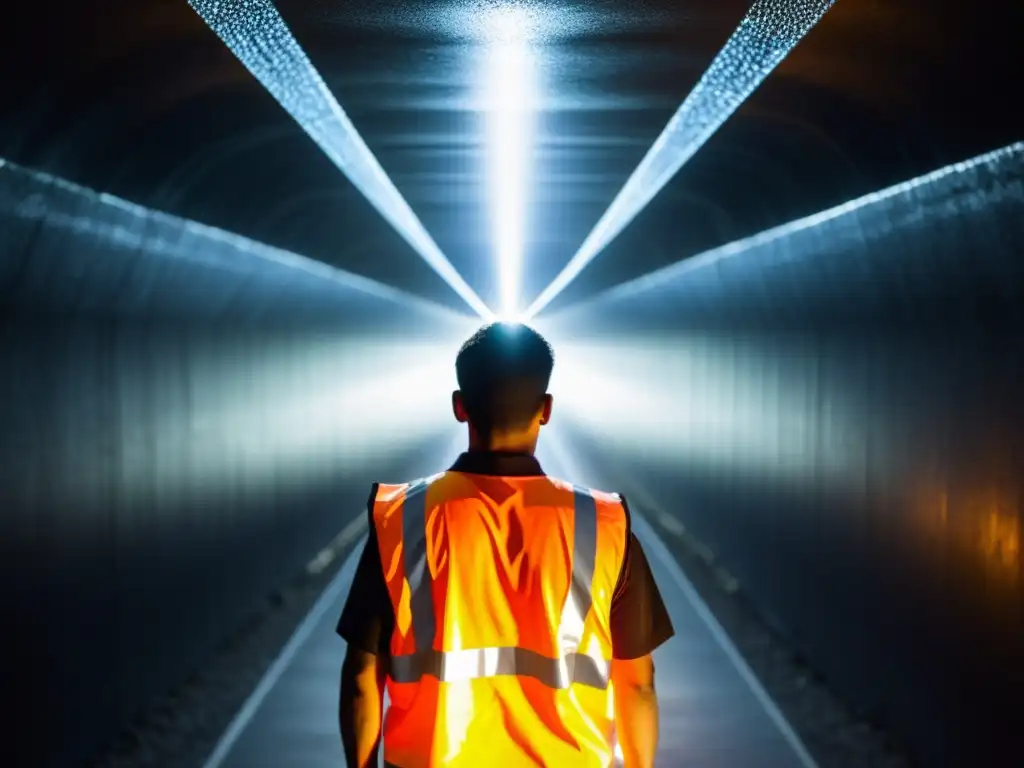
(142, 100)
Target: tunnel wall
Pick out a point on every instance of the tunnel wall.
(188, 419)
(836, 410)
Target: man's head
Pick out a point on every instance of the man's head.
(503, 372)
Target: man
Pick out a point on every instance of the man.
(496, 604)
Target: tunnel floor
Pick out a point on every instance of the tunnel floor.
(730, 694)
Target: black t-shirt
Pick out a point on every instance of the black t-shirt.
(639, 620)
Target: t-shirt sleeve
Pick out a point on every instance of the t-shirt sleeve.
(367, 620)
(639, 621)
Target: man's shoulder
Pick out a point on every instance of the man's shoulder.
(607, 497)
(388, 491)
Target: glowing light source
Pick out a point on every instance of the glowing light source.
(509, 84)
(702, 407)
(334, 424)
(258, 36)
(764, 37)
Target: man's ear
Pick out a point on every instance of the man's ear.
(545, 414)
(459, 407)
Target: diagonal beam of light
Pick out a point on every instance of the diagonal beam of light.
(765, 36)
(115, 227)
(831, 232)
(259, 37)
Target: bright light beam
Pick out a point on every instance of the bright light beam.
(292, 414)
(973, 184)
(721, 421)
(258, 36)
(769, 31)
(509, 84)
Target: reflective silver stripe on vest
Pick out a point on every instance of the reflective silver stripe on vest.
(453, 666)
(414, 543)
(584, 556)
(476, 663)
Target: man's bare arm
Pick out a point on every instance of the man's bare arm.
(361, 707)
(636, 710)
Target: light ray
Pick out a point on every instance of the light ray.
(123, 227)
(765, 36)
(832, 229)
(259, 37)
(705, 404)
(337, 423)
(509, 82)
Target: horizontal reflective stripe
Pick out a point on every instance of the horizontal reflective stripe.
(475, 664)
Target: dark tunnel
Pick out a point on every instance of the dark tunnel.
(803, 361)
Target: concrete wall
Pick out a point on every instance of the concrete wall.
(188, 418)
(836, 410)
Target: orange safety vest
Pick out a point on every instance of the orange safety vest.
(502, 591)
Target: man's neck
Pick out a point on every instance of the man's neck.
(517, 444)
(475, 449)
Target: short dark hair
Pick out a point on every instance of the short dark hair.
(504, 370)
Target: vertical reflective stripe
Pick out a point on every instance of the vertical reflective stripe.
(417, 574)
(584, 557)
